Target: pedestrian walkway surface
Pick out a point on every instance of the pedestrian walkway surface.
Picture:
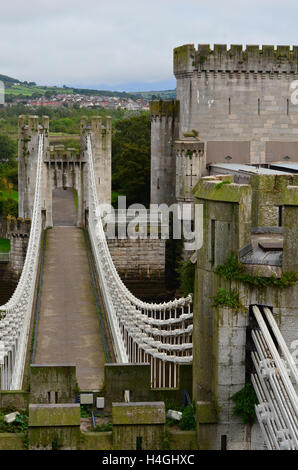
(68, 328)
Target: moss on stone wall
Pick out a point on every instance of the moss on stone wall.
(164, 108)
(234, 270)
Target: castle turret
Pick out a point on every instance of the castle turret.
(101, 135)
(241, 101)
(28, 134)
(18, 231)
(164, 132)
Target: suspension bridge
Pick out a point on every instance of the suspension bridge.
(142, 333)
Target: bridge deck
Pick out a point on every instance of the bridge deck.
(68, 328)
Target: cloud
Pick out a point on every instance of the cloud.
(99, 42)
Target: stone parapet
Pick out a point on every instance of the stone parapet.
(164, 108)
(266, 59)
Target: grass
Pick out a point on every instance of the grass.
(4, 245)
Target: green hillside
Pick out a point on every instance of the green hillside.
(6, 79)
(15, 88)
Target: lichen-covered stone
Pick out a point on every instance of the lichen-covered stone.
(46, 415)
(138, 413)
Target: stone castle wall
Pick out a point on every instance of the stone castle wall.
(138, 259)
(239, 97)
(220, 333)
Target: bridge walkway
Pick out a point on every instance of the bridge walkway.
(68, 327)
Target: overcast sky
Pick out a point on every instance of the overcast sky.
(128, 44)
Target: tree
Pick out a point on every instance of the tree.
(131, 159)
(8, 149)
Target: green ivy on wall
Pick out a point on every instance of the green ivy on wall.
(245, 401)
(235, 270)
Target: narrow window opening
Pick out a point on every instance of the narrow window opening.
(158, 187)
(139, 443)
(49, 397)
(212, 241)
(280, 216)
(98, 180)
(223, 445)
(259, 106)
(288, 106)
(56, 397)
(230, 106)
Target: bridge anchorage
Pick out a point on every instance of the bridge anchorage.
(167, 336)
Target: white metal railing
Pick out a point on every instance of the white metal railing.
(159, 334)
(15, 315)
(277, 411)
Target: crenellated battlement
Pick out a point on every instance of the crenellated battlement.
(18, 227)
(253, 58)
(164, 108)
(96, 124)
(30, 124)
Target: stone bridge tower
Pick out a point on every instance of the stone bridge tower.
(63, 168)
(233, 106)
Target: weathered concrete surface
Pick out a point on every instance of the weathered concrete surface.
(53, 383)
(14, 399)
(12, 441)
(64, 210)
(68, 329)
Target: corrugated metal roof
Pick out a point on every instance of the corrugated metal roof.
(241, 167)
(292, 167)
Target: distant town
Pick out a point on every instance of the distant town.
(85, 101)
(32, 95)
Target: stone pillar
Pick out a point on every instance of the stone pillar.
(18, 232)
(290, 227)
(101, 150)
(138, 426)
(219, 333)
(190, 164)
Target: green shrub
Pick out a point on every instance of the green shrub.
(104, 427)
(227, 298)
(186, 275)
(19, 425)
(187, 422)
(85, 411)
(245, 401)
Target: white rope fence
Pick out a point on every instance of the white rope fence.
(277, 411)
(159, 334)
(15, 315)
